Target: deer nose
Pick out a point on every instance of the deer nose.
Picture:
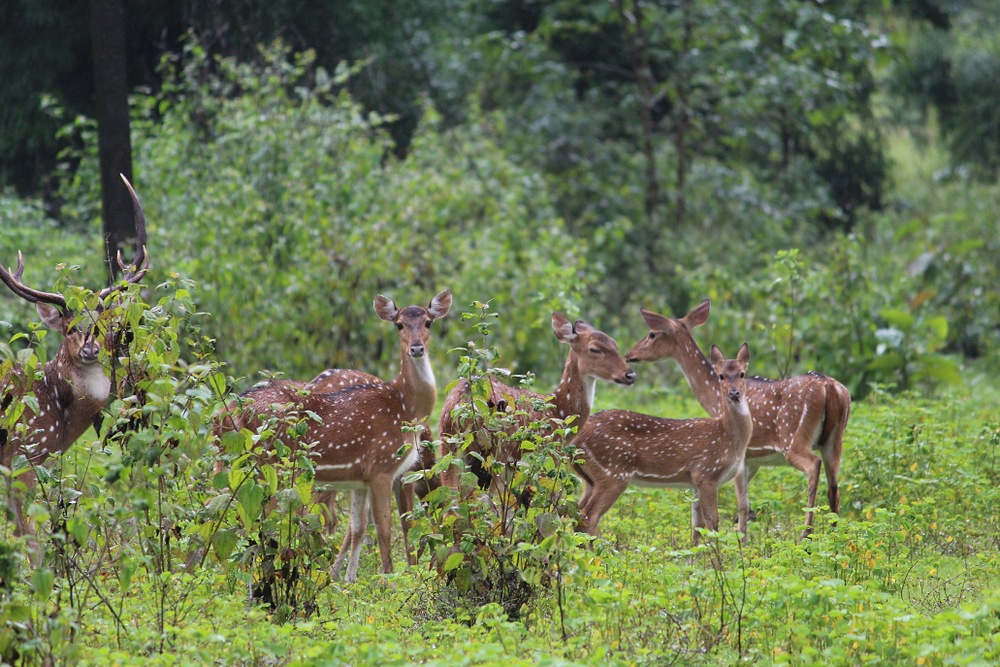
(89, 352)
(417, 350)
(630, 377)
(734, 395)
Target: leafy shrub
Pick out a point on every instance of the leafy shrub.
(270, 188)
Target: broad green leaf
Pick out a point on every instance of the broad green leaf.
(898, 318)
(454, 561)
(888, 361)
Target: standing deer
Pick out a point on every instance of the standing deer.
(593, 355)
(362, 426)
(74, 388)
(791, 417)
(621, 448)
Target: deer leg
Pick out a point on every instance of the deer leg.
(605, 493)
(404, 503)
(697, 521)
(381, 502)
(831, 466)
(708, 506)
(800, 457)
(355, 536)
(741, 481)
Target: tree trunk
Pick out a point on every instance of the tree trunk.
(114, 141)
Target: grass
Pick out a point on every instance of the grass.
(909, 575)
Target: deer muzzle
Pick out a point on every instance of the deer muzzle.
(89, 352)
(734, 395)
(417, 350)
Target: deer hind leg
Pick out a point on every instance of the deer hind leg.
(800, 457)
(833, 446)
(381, 503)
(351, 548)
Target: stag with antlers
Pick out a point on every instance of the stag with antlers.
(73, 387)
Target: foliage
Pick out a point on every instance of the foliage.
(501, 550)
(326, 216)
(951, 69)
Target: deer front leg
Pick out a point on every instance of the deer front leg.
(381, 500)
(404, 503)
(742, 482)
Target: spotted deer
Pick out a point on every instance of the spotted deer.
(619, 448)
(792, 418)
(73, 388)
(361, 433)
(593, 355)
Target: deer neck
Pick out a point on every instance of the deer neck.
(700, 375)
(738, 421)
(417, 386)
(87, 382)
(575, 393)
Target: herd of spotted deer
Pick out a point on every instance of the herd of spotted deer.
(359, 441)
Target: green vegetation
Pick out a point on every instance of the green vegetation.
(804, 166)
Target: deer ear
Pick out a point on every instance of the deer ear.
(385, 308)
(440, 305)
(698, 314)
(743, 356)
(717, 357)
(582, 327)
(655, 321)
(563, 328)
(51, 316)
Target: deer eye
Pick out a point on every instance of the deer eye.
(652, 335)
(742, 374)
(399, 326)
(594, 351)
(428, 323)
(721, 376)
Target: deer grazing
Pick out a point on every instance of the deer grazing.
(620, 448)
(74, 388)
(792, 418)
(593, 355)
(361, 432)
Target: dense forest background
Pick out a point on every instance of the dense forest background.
(296, 158)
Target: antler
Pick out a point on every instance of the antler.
(134, 272)
(25, 292)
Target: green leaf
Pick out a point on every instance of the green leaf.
(224, 543)
(41, 583)
(454, 561)
(888, 361)
(939, 325)
(898, 318)
(271, 477)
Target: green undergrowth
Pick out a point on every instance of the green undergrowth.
(909, 575)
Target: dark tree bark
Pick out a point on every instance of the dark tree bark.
(114, 141)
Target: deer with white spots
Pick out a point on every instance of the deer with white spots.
(74, 387)
(361, 432)
(593, 355)
(792, 418)
(620, 448)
